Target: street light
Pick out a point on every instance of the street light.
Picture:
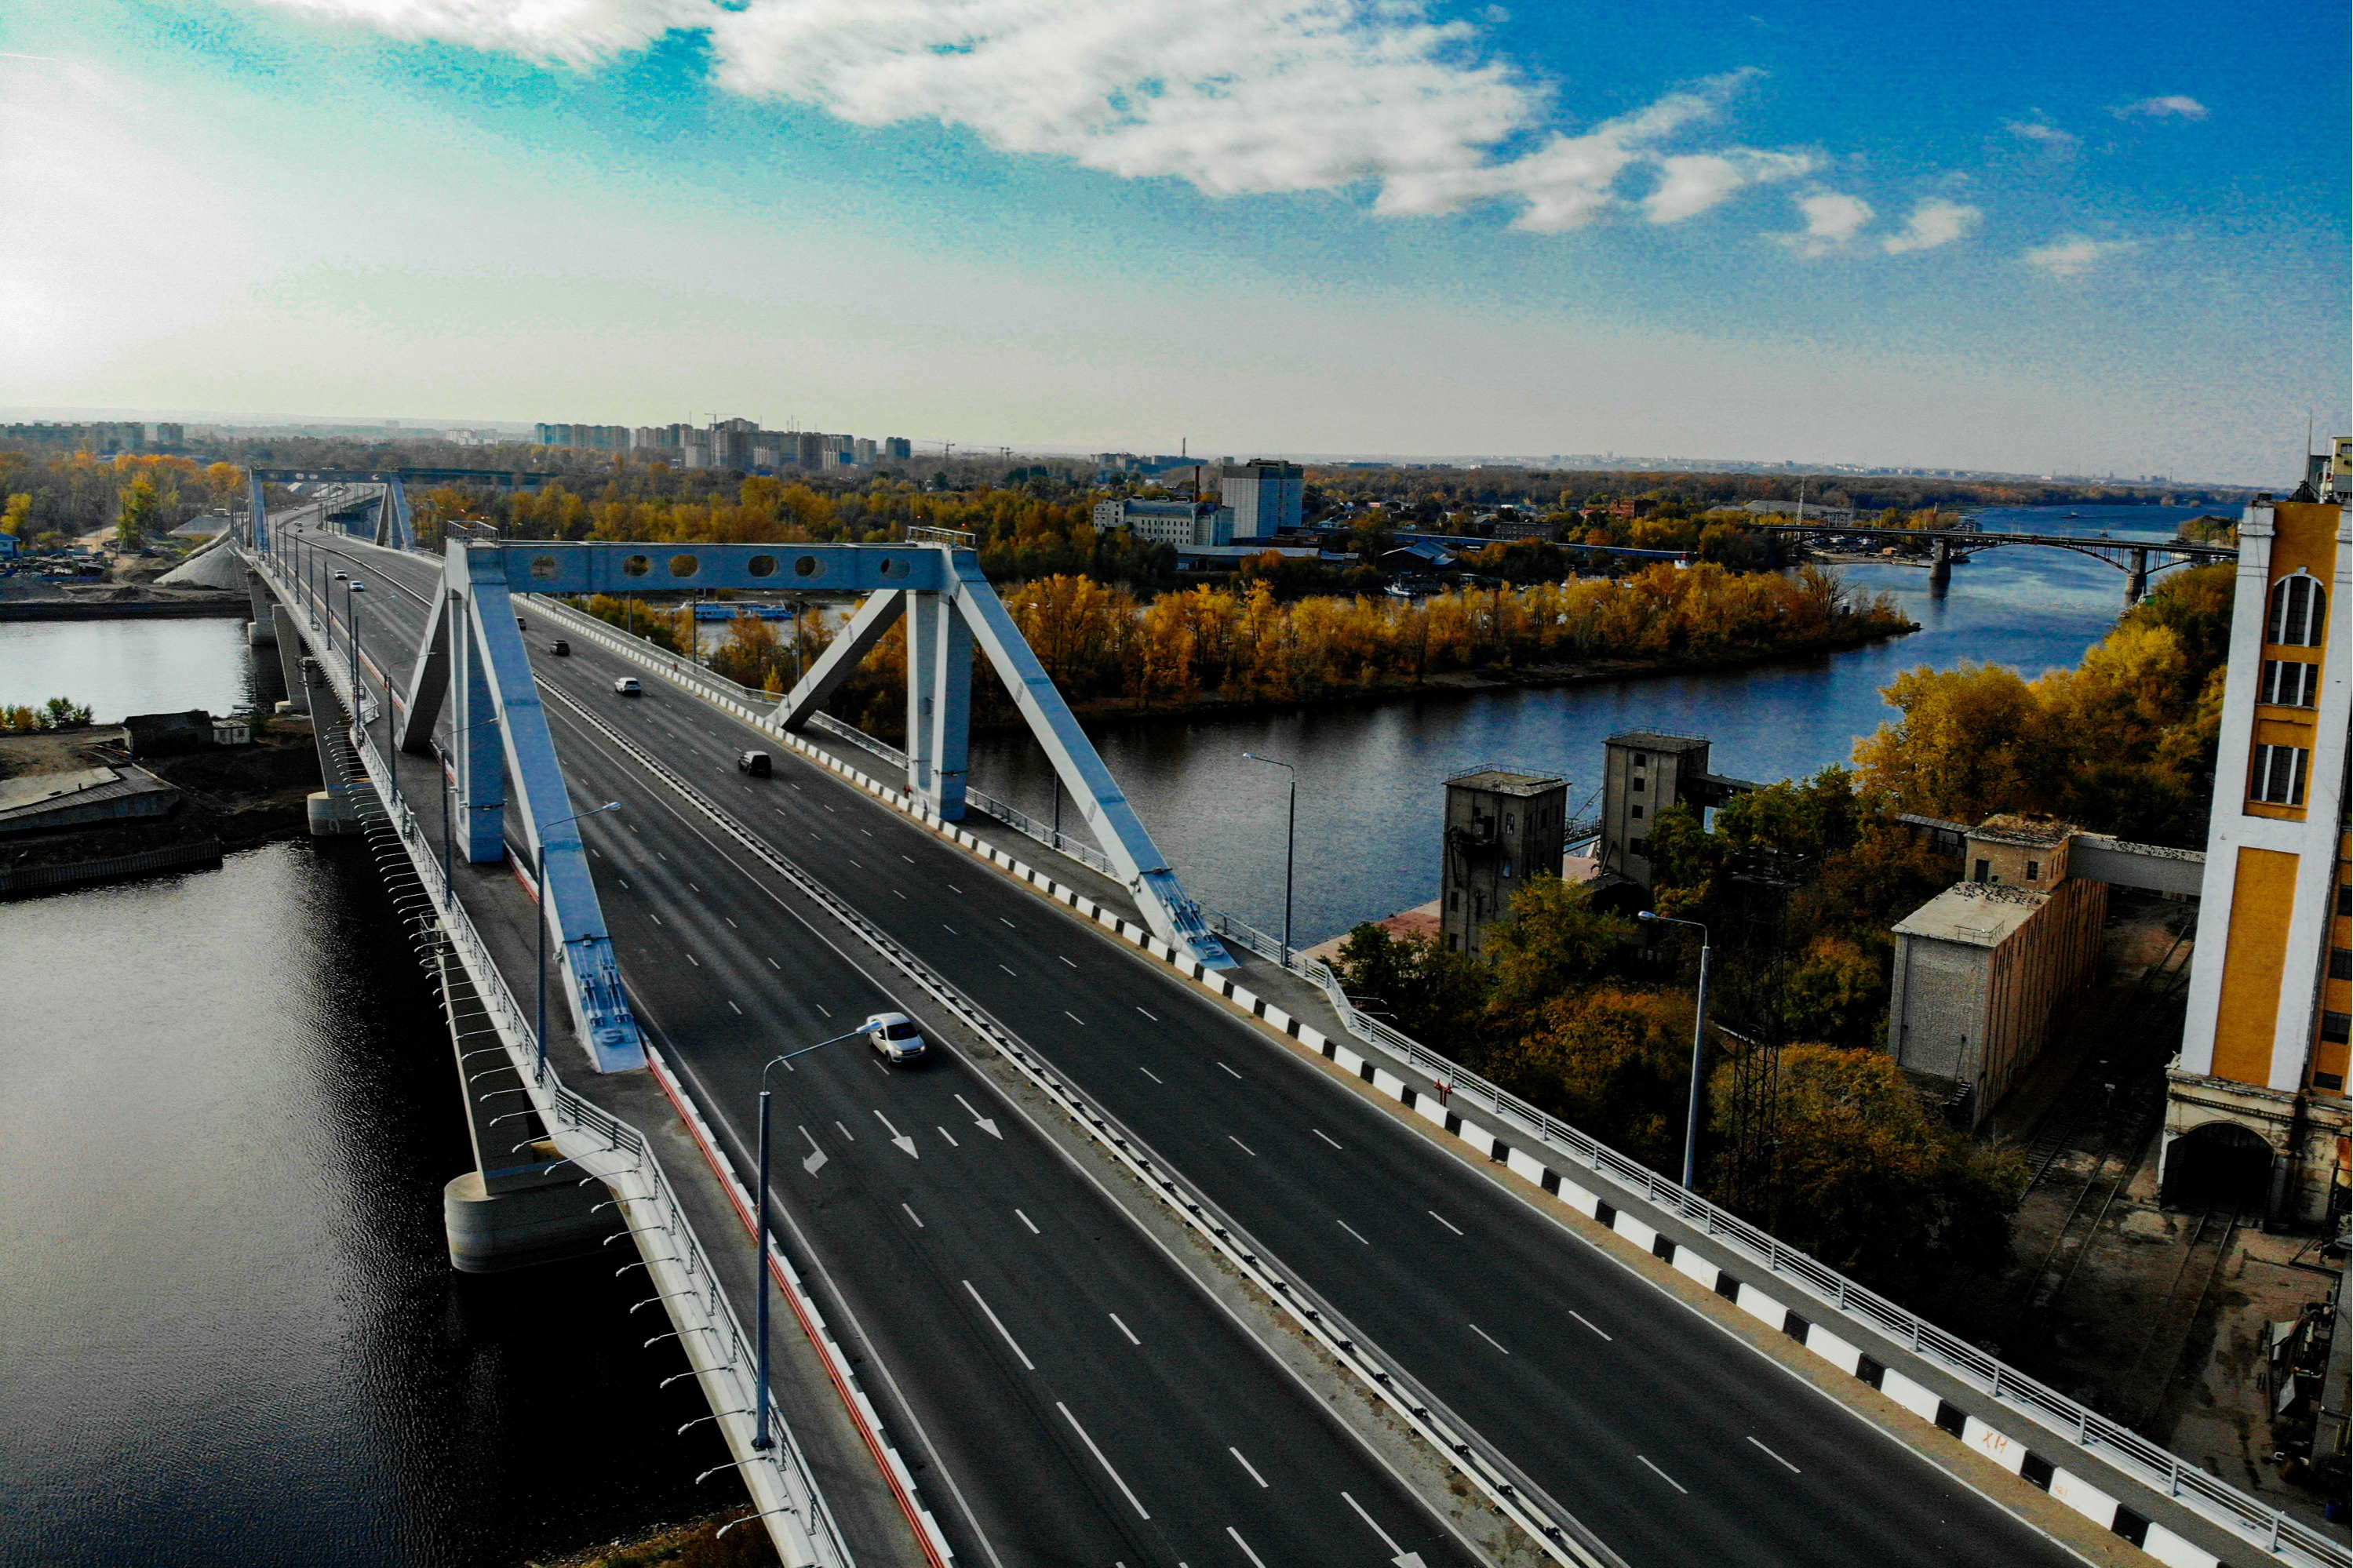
(328, 595)
(351, 640)
(1699, 1044)
(1289, 822)
(538, 887)
(761, 1440)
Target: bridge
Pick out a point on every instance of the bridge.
(2136, 559)
(1171, 1256)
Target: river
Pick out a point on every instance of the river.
(229, 1333)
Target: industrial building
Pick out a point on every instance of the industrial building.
(1266, 494)
(1642, 774)
(2257, 1094)
(1503, 826)
(1181, 522)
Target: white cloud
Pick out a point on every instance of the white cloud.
(2074, 257)
(2172, 106)
(1237, 96)
(1832, 219)
(2042, 131)
(1933, 223)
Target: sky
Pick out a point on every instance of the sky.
(2083, 238)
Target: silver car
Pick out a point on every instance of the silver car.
(895, 1035)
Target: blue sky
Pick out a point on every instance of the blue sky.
(2088, 238)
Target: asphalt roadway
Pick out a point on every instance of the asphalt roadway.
(1072, 1396)
(1670, 1440)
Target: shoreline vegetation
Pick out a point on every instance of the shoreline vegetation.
(1224, 649)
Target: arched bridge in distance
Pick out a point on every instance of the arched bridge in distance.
(2139, 560)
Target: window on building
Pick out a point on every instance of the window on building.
(1641, 761)
(2344, 899)
(1638, 814)
(1641, 782)
(2336, 1026)
(1510, 824)
(2334, 1081)
(2289, 683)
(1983, 873)
(1634, 846)
(1458, 898)
(2299, 608)
(2340, 963)
(1479, 906)
(2035, 870)
(1451, 939)
(2278, 775)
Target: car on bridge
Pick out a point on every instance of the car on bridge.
(756, 763)
(627, 686)
(560, 649)
(895, 1035)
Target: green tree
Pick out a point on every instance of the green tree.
(1553, 942)
(139, 512)
(1434, 995)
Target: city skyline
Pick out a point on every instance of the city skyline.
(1426, 233)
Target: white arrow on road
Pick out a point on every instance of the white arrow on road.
(816, 1155)
(983, 1122)
(898, 1137)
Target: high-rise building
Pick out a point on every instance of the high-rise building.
(1266, 494)
(865, 451)
(898, 446)
(2256, 1108)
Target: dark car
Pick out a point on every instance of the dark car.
(560, 649)
(753, 762)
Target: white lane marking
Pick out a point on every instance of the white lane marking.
(1066, 961)
(867, 835)
(731, 921)
(694, 961)
(659, 855)
(1231, 1073)
(1098, 1453)
(1371, 1523)
(827, 807)
(877, 1067)
(734, 1009)
(692, 885)
(953, 889)
(1588, 1322)
(909, 860)
(913, 1216)
(1246, 1465)
(898, 895)
(905, 1144)
(1025, 1359)
(1008, 972)
(625, 885)
(1327, 1137)
(775, 966)
(947, 1135)
(1024, 1219)
(1125, 1329)
(657, 918)
(1442, 1220)
(1489, 1338)
(796, 786)
(987, 1124)
(822, 1009)
(854, 863)
(846, 1132)
(1243, 1146)
(949, 929)
(1776, 1458)
(1074, 1018)
(1006, 923)
(1351, 1229)
(599, 853)
(1255, 1559)
(1663, 1476)
(1153, 1075)
(816, 1155)
(1149, 1014)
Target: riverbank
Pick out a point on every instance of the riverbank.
(231, 797)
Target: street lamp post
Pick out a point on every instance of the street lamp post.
(449, 786)
(1290, 826)
(761, 1440)
(1699, 1045)
(539, 890)
(351, 642)
(328, 595)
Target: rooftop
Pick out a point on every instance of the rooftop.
(1505, 781)
(1652, 741)
(2033, 832)
(1976, 914)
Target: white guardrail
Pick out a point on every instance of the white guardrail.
(784, 1490)
(2074, 1423)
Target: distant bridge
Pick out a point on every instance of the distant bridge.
(2135, 559)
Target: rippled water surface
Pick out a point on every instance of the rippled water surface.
(229, 1330)
(128, 667)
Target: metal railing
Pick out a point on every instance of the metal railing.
(626, 1155)
(2148, 1462)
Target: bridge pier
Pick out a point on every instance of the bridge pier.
(290, 657)
(333, 814)
(263, 630)
(2136, 579)
(939, 703)
(1940, 569)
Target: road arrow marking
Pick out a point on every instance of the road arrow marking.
(898, 1137)
(816, 1155)
(983, 1122)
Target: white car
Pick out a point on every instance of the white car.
(627, 686)
(895, 1035)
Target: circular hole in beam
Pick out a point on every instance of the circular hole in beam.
(807, 567)
(761, 567)
(684, 565)
(636, 567)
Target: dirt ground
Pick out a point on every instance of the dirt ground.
(240, 795)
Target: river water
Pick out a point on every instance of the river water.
(229, 1333)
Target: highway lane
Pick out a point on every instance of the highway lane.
(1665, 1436)
(1090, 1403)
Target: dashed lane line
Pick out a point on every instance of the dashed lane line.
(1032, 1365)
(1246, 1465)
(1489, 1338)
(1662, 1474)
(1243, 1146)
(1125, 1329)
(1327, 1137)
(1352, 1230)
(1589, 1323)
(916, 1217)
(1098, 1453)
(1776, 1458)
(1444, 1220)
(1231, 1073)
(1024, 1219)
